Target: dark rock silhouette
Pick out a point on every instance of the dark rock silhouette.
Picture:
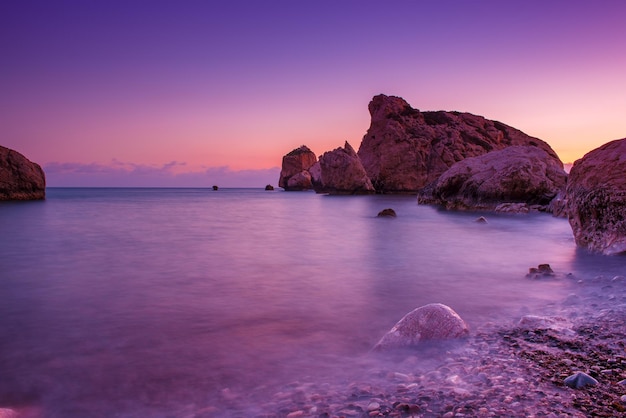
(269, 187)
(20, 178)
(596, 199)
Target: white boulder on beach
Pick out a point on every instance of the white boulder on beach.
(430, 322)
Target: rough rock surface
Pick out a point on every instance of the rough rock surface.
(430, 322)
(405, 149)
(516, 174)
(343, 173)
(20, 179)
(294, 174)
(596, 199)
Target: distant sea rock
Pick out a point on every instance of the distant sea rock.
(509, 180)
(596, 199)
(20, 178)
(405, 149)
(343, 173)
(294, 174)
(430, 322)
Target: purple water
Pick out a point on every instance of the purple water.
(158, 302)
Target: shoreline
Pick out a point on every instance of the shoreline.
(516, 369)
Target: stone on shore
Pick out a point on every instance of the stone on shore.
(405, 149)
(343, 173)
(579, 380)
(20, 178)
(430, 322)
(596, 199)
(507, 180)
(294, 174)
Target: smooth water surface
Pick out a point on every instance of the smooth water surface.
(152, 302)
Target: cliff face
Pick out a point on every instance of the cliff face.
(405, 149)
(20, 179)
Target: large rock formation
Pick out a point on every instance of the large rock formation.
(20, 179)
(596, 199)
(343, 173)
(295, 174)
(430, 322)
(515, 174)
(405, 149)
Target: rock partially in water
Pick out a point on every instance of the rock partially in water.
(596, 199)
(343, 173)
(20, 178)
(579, 380)
(387, 213)
(509, 180)
(542, 270)
(430, 322)
(294, 174)
(405, 149)
(269, 187)
(481, 220)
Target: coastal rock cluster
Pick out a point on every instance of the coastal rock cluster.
(20, 178)
(466, 162)
(409, 151)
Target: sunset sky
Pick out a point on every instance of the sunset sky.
(196, 93)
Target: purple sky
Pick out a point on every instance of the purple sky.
(196, 93)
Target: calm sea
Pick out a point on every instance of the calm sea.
(159, 302)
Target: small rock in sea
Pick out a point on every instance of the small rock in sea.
(389, 213)
(481, 220)
(215, 187)
(580, 380)
(269, 187)
(541, 270)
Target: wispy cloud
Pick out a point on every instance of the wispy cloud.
(171, 174)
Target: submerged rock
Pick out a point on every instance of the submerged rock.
(596, 199)
(579, 380)
(20, 178)
(405, 149)
(430, 322)
(541, 270)
(387, 213)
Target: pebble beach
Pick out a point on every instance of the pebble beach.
(502, 370)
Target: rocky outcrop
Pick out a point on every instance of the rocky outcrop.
(20, 179)
(294, 174)
(343, 173)
(405, 149)
(508, 180)
(430, 322)
(596, 199)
